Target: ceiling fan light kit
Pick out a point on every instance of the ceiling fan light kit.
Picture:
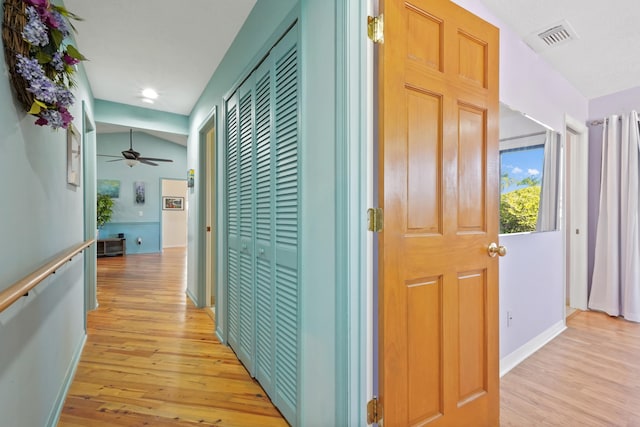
(132, 157)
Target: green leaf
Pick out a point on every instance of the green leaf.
(36, 107)
(74, 53)
(43, 57)
(57, 37)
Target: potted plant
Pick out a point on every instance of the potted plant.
(104, 210)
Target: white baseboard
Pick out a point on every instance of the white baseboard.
(516, 357)
(54, 416)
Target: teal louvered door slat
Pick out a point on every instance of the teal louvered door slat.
(232, 214)
(265, 221)
(285, 57)
(246, 348)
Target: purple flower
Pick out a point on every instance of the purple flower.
(29, 68)
(38, 3)
(44, 90)
(66, 117)
(61, 23)
(64, 97)
(51, 117)
(57, 63)
(69, 60)
(34, 31)
(41, 121)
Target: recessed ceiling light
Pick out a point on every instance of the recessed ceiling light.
(150, 93)
(147, 100)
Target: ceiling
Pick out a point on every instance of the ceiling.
(175, 50)
(170, 46)
(605, 57)
(173, 137)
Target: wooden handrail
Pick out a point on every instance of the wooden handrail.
(20, 288)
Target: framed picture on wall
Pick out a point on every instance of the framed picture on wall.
(73, 156)
(170, 203)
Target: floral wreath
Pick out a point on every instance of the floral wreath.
(42, 63)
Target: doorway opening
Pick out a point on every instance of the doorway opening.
(576, 200)
(174, 213)
(208, 141)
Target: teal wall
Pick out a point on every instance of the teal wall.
(41, 215)
(331, 368)
(126, 213)
(249, 45)
(137, 117)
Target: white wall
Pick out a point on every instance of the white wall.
(532, 283)
(174, 223)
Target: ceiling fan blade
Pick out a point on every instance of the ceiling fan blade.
(147, 162)
(154, 159)
(108, 155)
(116, 160)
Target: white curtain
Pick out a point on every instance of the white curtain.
(616, 274)
(548, 208)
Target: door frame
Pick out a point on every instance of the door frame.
(355, 128)
(209, 122)
(577, 283)
(88, 138)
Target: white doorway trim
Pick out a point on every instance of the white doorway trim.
(575, 207)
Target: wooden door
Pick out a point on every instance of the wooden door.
(439, 189)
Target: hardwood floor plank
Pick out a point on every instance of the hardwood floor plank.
(152, 358)
(587, 376)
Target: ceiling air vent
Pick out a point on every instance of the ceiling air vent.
(555, 35)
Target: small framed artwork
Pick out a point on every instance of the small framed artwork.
(170, 203)
(73, 156)
(191, 173)
(110, 187)
(138, 188)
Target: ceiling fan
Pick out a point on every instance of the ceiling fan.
(132, 157)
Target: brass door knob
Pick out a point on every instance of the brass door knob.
(494, 250)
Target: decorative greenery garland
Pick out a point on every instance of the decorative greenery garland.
(41, 59)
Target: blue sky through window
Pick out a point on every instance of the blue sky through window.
(521, 163)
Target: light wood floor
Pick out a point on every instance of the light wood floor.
(588, 376)
(151, 358)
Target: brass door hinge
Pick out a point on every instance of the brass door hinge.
(375, 28)
(375, 219)
(374, 411)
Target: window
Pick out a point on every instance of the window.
(521, 171)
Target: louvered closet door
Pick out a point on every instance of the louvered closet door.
(287, 300)
(233, 221)
(240, 214)
(246, 347)
(265, 229)
(262, 209)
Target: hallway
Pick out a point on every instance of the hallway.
(151, 357)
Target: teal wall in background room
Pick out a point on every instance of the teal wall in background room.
(138, 220)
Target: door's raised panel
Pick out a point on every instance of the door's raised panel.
(424, 342)
(422, 27)
(472, 333)
(424, 159)
(472, 169)
(472, 59)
